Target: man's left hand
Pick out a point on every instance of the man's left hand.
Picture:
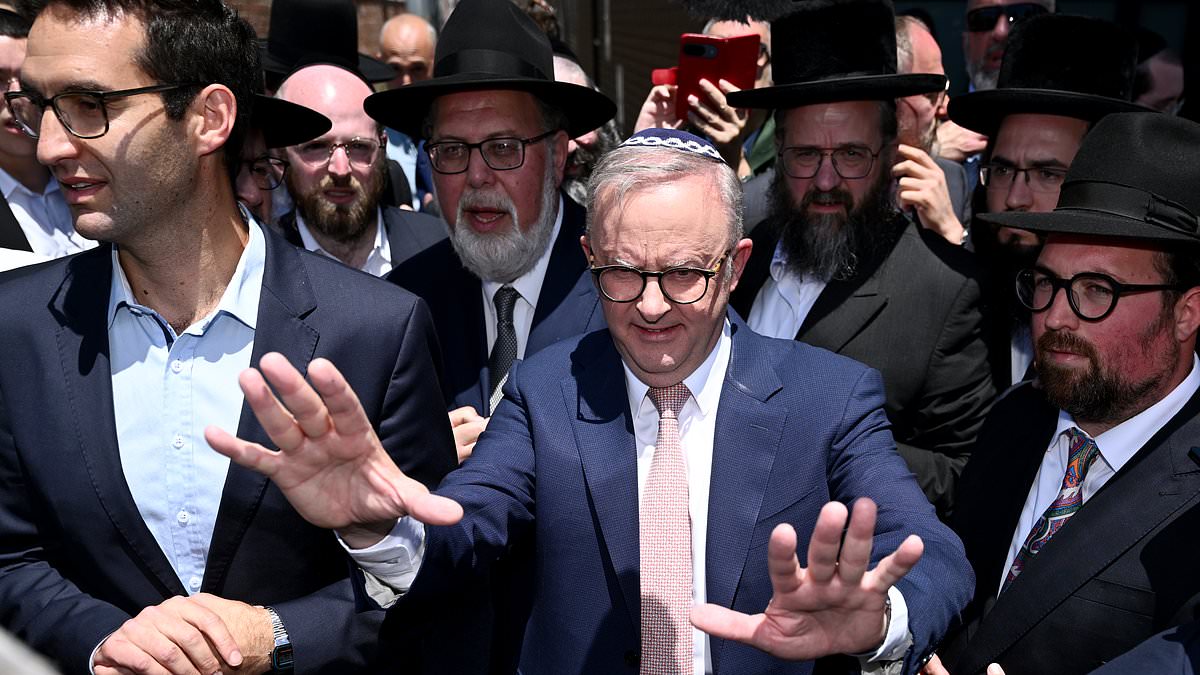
(923, 187)
(835, 605)
(249, 625)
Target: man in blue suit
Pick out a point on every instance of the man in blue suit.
(652, 466)
(126, 544)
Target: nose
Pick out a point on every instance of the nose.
(478, 171)
(1059, 315)
(587, 140)
(653, 304)
(1020, 197)
(339, 162)
(247, 190)
(827, 177)
(1000, 30)
(54, 142)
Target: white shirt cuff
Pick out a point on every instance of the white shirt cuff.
(391, 564)
(898, 639)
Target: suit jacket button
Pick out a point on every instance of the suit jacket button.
(632, 658)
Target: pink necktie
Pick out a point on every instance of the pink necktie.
(666, 546)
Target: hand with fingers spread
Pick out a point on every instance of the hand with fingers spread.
(330, 465)
(658, 110)
(923, 187)
(467, 424)
(723, 124)
(180, 636)
(833, 606)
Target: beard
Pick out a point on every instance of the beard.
(581, 162)
(1097, 394)
(981, 79)
(504, 256)
(343, 223)
(832, 245)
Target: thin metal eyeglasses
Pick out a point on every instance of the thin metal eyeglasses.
(359, 151)
(1039, 178)
(1091, 295)
(82, 113)
(500, 154)
(849, 161)
(680, 285)
(266, 171)
(984, 19)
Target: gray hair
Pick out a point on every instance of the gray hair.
(628, 169)
(904, 48)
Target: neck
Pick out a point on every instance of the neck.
(26, 171)
(182, 269)
(352, 253)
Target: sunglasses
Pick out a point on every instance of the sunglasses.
(984, 19)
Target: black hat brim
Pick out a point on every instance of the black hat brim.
(284, 123)
(863, 88)
(984, 111)
(370, 69)
(405, 108)
(1087, 222)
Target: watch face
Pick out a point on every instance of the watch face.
(281, 659)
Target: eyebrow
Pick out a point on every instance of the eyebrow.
(1036, 164)
(73, 87)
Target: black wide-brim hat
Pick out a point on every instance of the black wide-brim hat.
(1135, 177)
(828, 51)
(284, 123)
(491, 44)
(304, 32)
(1055, 64)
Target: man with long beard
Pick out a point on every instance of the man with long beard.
(1079, 506)
(337, 180)
(837, 265)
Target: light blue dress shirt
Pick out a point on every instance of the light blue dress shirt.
(166, 389)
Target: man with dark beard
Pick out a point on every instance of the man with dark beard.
(837, 265)
(337, 180)
(1078, 509)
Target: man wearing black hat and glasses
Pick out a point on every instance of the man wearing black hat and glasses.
(273, 124)
(837, 265)
(1060, 75)
(1079, 504)
(127, 543)
(985, 35)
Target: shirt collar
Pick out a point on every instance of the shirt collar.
(1119, 444)
(9, 185)
(529, 285)
(381, 247)
(705, 382)
(240, 299)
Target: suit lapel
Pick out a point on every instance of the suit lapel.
(11, 234)
(604, 434)
(749, 428)
(82, 306)
(286, 299)
(842, 310)
(1160, 479)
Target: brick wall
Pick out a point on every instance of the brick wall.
(371, 15)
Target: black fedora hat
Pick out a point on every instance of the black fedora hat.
(1135, 176)
(491, 44)
(826, 51)
(284, 123)
(1055, 64)
(304, 32)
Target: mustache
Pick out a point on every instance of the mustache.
(1066, 342)
(832, 197)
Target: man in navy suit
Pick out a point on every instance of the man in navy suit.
(652, 466)
(126, 543)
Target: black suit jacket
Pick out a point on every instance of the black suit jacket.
(408, 232)
(1123, 568)
(76, 558)
(915, 317)
(568, 306)
(11, 234)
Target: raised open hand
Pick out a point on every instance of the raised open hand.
(330, 465)
(835, 605)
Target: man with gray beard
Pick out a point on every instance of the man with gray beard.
(836, 265)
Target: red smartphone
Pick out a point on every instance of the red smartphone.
(734, 59)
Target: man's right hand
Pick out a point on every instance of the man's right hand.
(331, 465)
(956, 143)
(178, 635)
(467, 424)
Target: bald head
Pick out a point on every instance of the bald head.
(332, 91)
(406, 43)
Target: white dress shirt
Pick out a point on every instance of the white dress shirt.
(1117, 446)
(529, 285)
(44, 218)
(395, 560)
(379, 261)
(784, 301)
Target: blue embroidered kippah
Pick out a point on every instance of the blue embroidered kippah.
(672, 138)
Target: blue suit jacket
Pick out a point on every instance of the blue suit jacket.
(796, 426)
(1171, 652)
(76, 558)
(568, 306)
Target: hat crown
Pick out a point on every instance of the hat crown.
(1070, 53)
(314, 31)
(822, 40)
(493, 37)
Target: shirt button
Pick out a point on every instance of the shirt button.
(176, 366)
(177, 441)
(183, 517)
(194, 583)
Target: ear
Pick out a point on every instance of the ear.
(1187, 316)
(739, 257)
(215, 111)
(587, 249)
(560, 140)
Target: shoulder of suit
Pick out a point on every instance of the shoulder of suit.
(922, 251)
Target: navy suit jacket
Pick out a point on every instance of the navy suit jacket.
(796, 426)
(568, 306)
(76, 558)
(1171, 652)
